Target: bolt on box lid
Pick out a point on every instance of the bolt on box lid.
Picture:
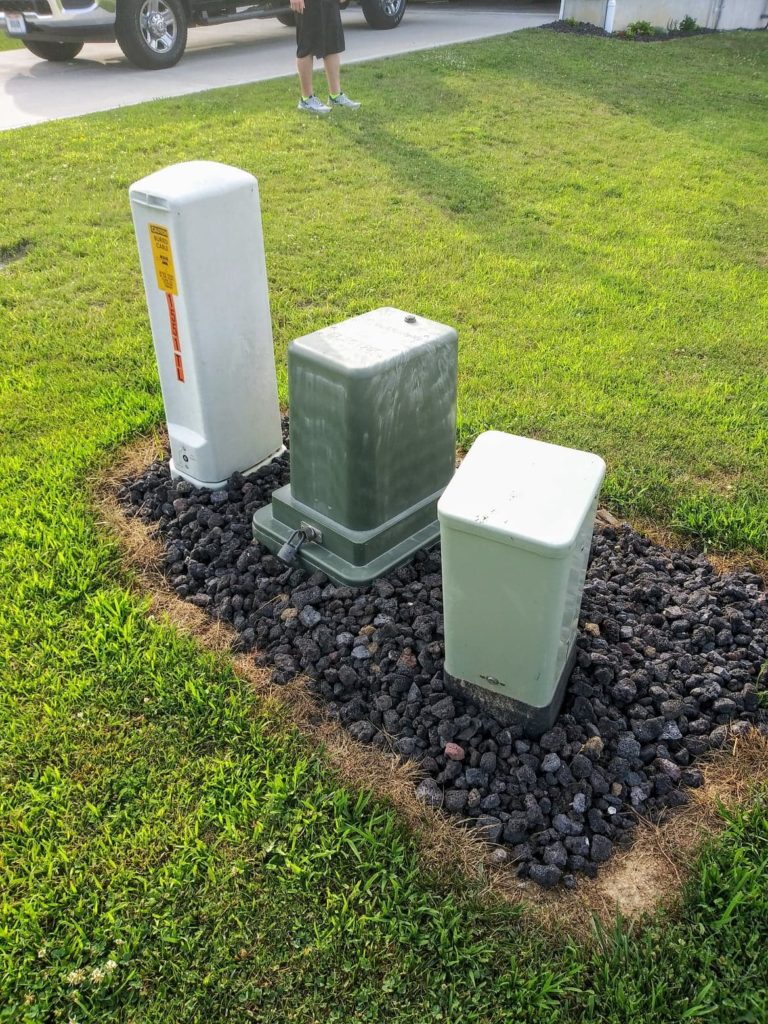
(522, 492)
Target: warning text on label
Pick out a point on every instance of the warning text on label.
(163, 259)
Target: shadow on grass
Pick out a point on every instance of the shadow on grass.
(725, 80)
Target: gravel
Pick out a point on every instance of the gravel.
(668, 659)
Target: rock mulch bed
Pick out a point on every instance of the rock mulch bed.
(669, 659)
(586, 28)
(579, 28)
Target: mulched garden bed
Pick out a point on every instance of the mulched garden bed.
(585, 28)
(669, 661)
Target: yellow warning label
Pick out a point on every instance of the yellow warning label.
(163, 257)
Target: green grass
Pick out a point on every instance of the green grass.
(591, 216)
(8, 42)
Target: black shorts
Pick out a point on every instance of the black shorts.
(318, 29)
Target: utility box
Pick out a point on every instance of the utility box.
(198, 228)
(516, 527)
(373, 439)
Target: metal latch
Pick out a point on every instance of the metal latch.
(306, 534)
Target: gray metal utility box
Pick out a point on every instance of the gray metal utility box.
(373, 437)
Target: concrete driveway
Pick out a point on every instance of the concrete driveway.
(33, 90)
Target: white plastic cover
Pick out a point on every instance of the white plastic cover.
(524, 492)
(198, 228)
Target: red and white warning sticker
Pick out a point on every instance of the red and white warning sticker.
(175, 339)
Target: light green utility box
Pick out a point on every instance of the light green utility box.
(373, 438)
(516, 526)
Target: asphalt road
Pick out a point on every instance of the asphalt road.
(33, 90)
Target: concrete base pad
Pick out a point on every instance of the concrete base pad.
(533, 720)
(350, 557)
(219, 485)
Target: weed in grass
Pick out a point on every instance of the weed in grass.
(639, 28)
(725, 522)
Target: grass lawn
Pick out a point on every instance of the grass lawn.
(591, 216)
(8, 43)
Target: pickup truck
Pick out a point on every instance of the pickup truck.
(151, 33)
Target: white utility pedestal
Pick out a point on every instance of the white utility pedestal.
(516, 526)
(198, 228)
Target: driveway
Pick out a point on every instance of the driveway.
(33, 90)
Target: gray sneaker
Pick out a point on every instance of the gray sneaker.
(314, 106)
(343, 101)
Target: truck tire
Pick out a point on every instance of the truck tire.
(54, 51)
(288, 19)
(383, 13)
(151, 33)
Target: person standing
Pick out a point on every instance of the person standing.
(319, 33)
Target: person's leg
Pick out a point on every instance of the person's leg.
(309, 101)
(308, 42)
(332, 64)
(336, 98)
(304, 65)
(332, 48)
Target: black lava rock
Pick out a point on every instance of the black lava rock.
(601, 848)
(566, 826)
(668, 663)
(545, 875)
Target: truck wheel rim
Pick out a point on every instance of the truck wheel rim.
(392, 7)
(158, 25)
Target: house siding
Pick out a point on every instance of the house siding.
(734, 13)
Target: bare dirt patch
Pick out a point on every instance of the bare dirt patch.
(12, 252)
